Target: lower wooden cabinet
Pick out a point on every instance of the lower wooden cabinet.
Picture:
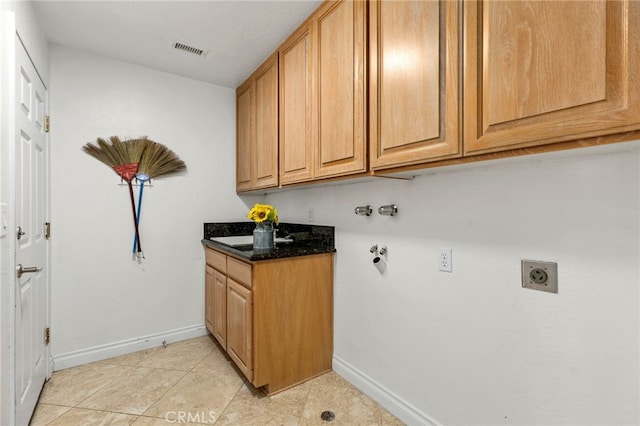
(209, 289)
(274, 318)
(219, 307)
(239, 325)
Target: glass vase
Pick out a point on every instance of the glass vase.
(263, 236)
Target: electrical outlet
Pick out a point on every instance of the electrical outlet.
(539, 275)
(310, 214)
(446, 260)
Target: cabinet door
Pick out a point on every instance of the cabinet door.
(538, 72)
(244, 135)
(296, 97)
(209, 306)
(413, 114)
(220, 308)
(265, 152)
(239, 326)
(340, 83)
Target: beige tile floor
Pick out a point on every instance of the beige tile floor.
(193, 382)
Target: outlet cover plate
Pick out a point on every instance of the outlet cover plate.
(540, 275)
(446, 259)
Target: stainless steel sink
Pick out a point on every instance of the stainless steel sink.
(238, 240)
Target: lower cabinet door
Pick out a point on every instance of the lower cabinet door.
(239, 326)
(219, 308)
(209, 306)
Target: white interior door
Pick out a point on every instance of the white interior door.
(31, 246)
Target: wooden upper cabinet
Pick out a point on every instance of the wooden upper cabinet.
(266, 124)
(257, 129)
(413, 78)
(243, 137)
(386, 85)
(340, 32)
(538, 72)
(296, 103)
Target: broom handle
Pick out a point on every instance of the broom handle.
(133, 210)
(135, 237)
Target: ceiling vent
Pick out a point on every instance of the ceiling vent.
(189, 49)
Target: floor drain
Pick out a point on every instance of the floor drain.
(327, 416)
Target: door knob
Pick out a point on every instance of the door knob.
(28, 270)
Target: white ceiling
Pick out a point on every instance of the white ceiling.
(238, 34)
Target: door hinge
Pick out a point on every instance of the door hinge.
(47, 335)
(47, 230)
(47, 123)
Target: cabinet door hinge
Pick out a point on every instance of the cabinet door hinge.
(47, 230)
(47, 335)
(47, 123)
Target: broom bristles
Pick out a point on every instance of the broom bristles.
(130, 151)
(117, 152)
(153, 158)
(158, 160)
(104, 152)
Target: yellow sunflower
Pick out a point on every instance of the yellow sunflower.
(263, 212)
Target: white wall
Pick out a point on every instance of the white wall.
(101, 297)
(472, 347)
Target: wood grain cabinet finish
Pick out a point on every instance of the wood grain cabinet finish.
(413, 82)
(219, 307)
(244, 135)
(257, 129)
(322, 95)
(239, 324)
(216, 295)
(266, 124)
(279, 316)
(296, 102)
(384, 86)
(340, 52)
(209, 289)
(538, 72)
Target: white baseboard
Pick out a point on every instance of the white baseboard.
(123, 347)
(397, 406)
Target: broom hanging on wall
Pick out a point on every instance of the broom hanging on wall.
(124, 158)
(157, 160)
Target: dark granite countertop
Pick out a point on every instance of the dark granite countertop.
(306, 240)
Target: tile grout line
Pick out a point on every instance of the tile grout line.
(191, 370)
(99, 389)
(125, 368)
(165, 392)
(230, 401)
(306, 401)
(139, 365)
(55, 418)
(174, 385)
